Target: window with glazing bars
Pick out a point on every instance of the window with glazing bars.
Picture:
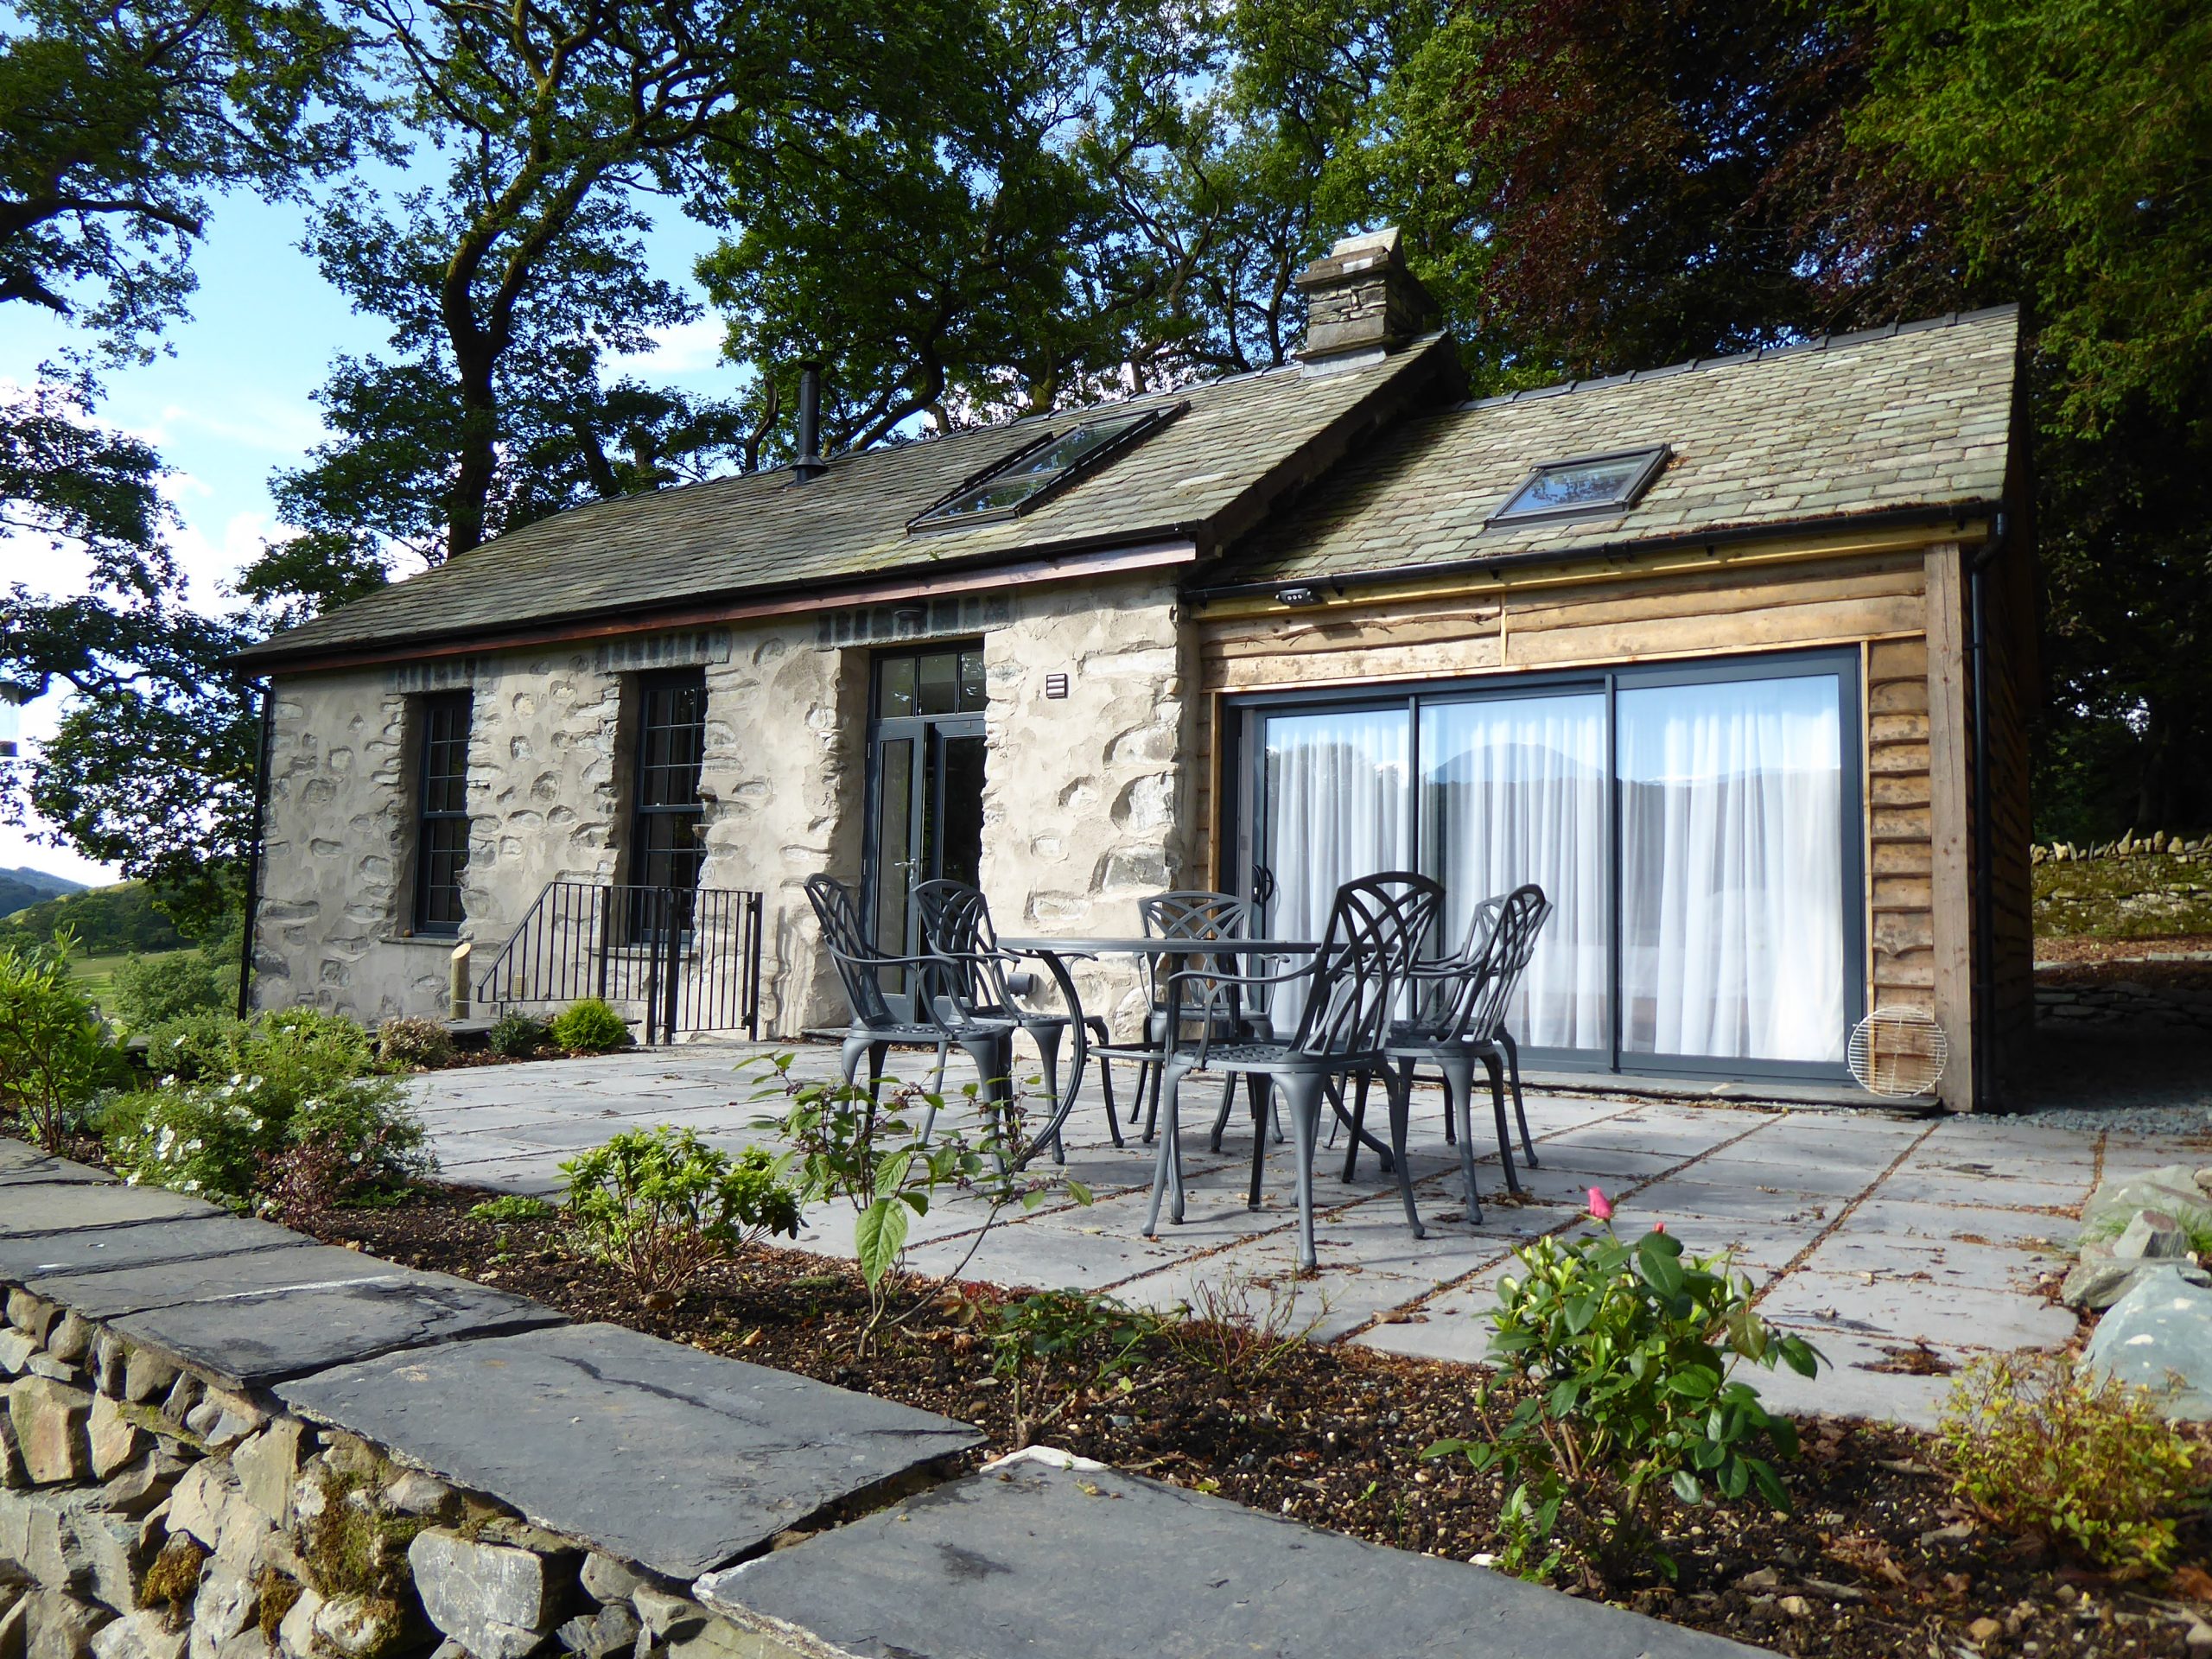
(665, 847)
(441, 812)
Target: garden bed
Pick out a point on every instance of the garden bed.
(1875, 1560)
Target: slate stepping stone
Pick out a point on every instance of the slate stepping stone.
(91, 1249)
(29, 1208)
(258, 1317)
(1078, 1563)
(648, 1450)
(25, 1165)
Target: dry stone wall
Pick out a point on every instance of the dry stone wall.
(147, 1512)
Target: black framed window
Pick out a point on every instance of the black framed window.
(441, 811)
(667, 815)
(1697, 826)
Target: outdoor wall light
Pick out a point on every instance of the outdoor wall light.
(1298, 595)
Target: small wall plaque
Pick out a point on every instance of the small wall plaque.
(1056, 685)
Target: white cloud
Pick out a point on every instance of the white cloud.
(685, 348)
(277, 425)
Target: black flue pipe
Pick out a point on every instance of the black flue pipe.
(810, 464)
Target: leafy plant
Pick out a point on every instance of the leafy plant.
(661, 1206)
(1239, 1327)
(55, 1056)
(588, 1026)
(149, 990)
(1031, 1334)
(287, 1111)
(2041, 1447)
(513, 1206)
(845, 1143)
(517, 1036)
(1626, 1353)
(414, 1040)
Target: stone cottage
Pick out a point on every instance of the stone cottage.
(1732, 656)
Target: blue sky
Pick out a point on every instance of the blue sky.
(231, 402)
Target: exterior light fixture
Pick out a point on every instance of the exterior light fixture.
(1298, 595)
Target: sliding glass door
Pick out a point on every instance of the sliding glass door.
(1695, 829)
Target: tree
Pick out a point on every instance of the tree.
(508, 286)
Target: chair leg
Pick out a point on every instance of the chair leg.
(1167, 1165)
(1459, 1072)
(1255, 1090)
(1106, 1077)
(1358, 1123)
(1151, 1107)
(1400, 1085)
(1521, 1112)
(992, 1057)
(1301, 1097)
(1497, 1070)
(1221, 1118)
(848, 1058)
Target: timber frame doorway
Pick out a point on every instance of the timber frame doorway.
(924, 789)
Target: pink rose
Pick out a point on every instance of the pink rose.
(1599, 1207)
(1658, 1226)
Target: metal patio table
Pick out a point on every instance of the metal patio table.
(1055, 952)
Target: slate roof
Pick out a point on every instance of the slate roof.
(1913, 416)
(1205, 476)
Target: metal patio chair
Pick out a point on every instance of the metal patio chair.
(875, 1025)
(1376, 927)
(973, 978)
(1459, 1018)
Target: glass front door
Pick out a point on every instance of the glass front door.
(926, 787)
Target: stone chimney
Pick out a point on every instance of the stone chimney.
(1361, 302)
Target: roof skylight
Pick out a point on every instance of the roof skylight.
(1585, 486)
(1056, 459)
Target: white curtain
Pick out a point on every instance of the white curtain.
(1336, 808)
(1732, 891)
(1512, 792)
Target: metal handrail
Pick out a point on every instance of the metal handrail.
(689, 956)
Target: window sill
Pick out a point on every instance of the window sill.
(446, 941)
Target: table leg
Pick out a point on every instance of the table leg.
(1050, 1134)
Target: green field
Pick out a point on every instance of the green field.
(97, 974)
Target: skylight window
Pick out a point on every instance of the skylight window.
(1054, 461)
(1583, 487)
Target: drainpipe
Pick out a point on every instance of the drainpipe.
(1984, 988)
(266, 698)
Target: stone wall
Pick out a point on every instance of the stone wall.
(1086, 806)
(147, 1512)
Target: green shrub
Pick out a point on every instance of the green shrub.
(284, 1112)
(662, 1205)
(413, 1040)
(2041, 1448)
(517, 1036)
(1624, 1353)
(55, 1056)
(147, 991)
(589, 1027)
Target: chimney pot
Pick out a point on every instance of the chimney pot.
(1361, 302)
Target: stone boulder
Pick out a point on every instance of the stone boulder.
(2171, 1189)
(2159, 1335)
(49, 1420)
(497, 1601)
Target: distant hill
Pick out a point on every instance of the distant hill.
(106, 919)
(25, 885)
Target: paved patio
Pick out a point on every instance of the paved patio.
(1871, 1232)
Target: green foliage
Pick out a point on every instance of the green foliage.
(1048, 1326)
(662, 1205)
(284, 1111)
(512, 1207)
(150, 991)
(588, 1026)
(55, 1056)
(2041, 1448)
(413, 1041)
(102, 920)
(517, 1036)
(2147, 897)
(1626, 1351)
(848, 1144)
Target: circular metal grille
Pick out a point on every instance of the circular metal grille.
(1899, 1052)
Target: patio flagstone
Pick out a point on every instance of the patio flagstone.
(1941, 1214)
